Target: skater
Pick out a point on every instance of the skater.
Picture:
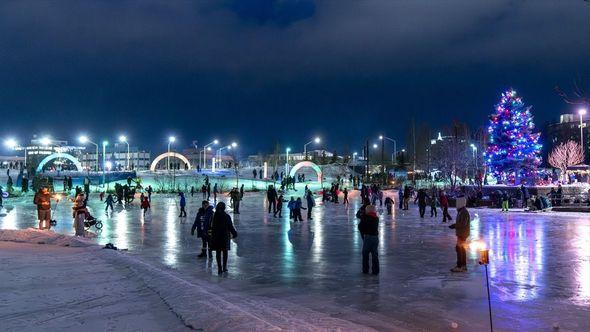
(215, 191)
(235, 200)
(345, 193)
(242, 191)
(368, 227)
(109, 203)
(461, 227)
(432, 201)
(421, 199)
(145, 205)
(389, 205)
(400, 198)
(222, 230)
(280, 201)
(208, 190)
(149, 192)
(43, 201)
(297, 210)
(182, 205)
(192, 191)
(444, 205)
(271, 196)
(310, 204)
(202, 224)
(291, 206)
(505, 201)
(406, 197)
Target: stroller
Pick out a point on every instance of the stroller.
(93, 222)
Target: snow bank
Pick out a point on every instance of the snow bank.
(36, 236)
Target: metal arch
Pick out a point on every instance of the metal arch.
(302, 164)
(166, 155)
(56, 156)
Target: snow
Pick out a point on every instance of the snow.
(307, 275)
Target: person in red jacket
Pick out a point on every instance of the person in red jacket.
(444, 205)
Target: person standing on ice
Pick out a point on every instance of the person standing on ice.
(145, 205)
(222, 231)
(43, 201)
(345, 193)
(421, 198)
(505, 201)
(271, 196)
(369, 229)
(400, 198)
(215, 191)
(310, 203)
(109, 203)
(462, 227)
(291, 206)
(202, 224)
(208, 190)
(389, 205)
(444, 205)
(182, 205)
(297, 207)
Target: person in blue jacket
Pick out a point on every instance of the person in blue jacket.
(202, 225)
(182, 205)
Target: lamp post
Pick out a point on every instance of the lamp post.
(582, 112)
(206, 148)
(104, 158)
(84, 140)
(287, 162)
(315, 140)
(123, 139)
(474, 154)
(394, 146)
(171, 140)
(354, 157)
(484, 259)
(227, 147)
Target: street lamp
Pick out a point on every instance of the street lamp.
(287, 162)
(582, 112)
(206, 148)
(354, 156)
(10, 143)
(45, 141)
(84, 140)
(104, 158)
(394, 146)
(171, 140)
(315, 140)
(227, 147)
(123, 139)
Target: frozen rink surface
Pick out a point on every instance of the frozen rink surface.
(539, 270)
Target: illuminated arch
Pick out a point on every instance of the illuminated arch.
(166, 155)
(56, 156)
(302, 164)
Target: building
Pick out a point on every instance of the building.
(39, 148)
(116, 158)
(568, 128)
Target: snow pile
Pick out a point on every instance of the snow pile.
(36, 236)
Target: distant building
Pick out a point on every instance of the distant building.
(568, 128)
(116, 155)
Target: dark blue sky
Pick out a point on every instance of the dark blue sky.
(262, 71)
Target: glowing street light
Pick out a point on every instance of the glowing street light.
(227, 147)
(381, 137)
(287, 161)
(85, 140)
(11, 143)
(582, 112)
(45, 141)
(104, 158)
(123, 139)
(207, 147)
(315, 140)
(171, 140)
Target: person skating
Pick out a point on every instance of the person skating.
(149, 192)
(280, 201)
(242, 191)
(215, 192)
(291, 206)
(444, 205)
(208, 190)
(271, 196)
(222, 230)
(462, 229)
(433, 212)
(109, 203)
(145, 205)
(389, 205)
(421, 199)
(182, 205)
(406, 197)
(297, 207)
(368, 227)
(202, 225)
(235, 200)
(43, 201)
(192, 191)
(310, 203)
(345, 193)
(400, 198)
(505, 201)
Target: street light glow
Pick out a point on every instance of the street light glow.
(45, 141)
(105, 143)
(234, 144)
(215, 141)
(171, 139)
(317, 140)
(381, 137)
(83, 139)
(11, 143)
(123, 138)
(288, 149)
(374, 146)
(582, 111)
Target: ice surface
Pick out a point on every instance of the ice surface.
(539, 271)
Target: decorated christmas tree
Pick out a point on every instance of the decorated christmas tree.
(513, 152)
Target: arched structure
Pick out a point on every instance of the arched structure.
(56, 156)
(171, 155)
(302, 164)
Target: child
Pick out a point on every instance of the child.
(297, 207)
(145, 205)
(291, 206)
(389, 205)
(433, 212)
(279, 206)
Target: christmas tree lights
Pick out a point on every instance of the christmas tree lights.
(513, 151)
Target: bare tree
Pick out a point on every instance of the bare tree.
(565, 155)
(578, 97)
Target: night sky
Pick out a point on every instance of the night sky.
(267, 71)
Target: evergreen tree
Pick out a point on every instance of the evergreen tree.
(513, 151)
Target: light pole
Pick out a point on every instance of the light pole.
(287, 162)
(582, 112)
(228, 147)
(104, 158)
(315, 140)
(171, 140)
(394, 146)
(354, 157)
(474, 153)
(207, 148)
(84, 140)
(123, 139)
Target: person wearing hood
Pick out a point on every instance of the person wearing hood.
(310, 203)
(462, 227)
(202, 225)
(369, 229)
(222, 231)
(182, 205)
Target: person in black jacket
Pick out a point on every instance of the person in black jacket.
(369, 229)
(271, 196)
(222, 230)
(462, 228)
(202, 224)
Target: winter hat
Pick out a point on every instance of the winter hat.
(460, 202)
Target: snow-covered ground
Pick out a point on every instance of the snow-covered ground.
(307, 275)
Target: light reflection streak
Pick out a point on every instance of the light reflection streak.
(171, 225)
(121, 229)
(581, 244)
